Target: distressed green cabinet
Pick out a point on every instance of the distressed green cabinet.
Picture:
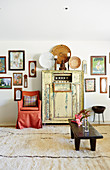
(62, 95)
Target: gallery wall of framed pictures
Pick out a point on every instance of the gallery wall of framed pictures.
(14, 64)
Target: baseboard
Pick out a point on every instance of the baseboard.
(14, 125)
(7, 125)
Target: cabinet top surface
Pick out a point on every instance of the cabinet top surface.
(61, 71)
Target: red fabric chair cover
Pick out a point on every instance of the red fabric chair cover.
(29, 116)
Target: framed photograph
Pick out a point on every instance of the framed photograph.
(5, 82)
(17, 79)
(32, 68)
(25, 81)
(2, 65)
(57, 66)
(84, 66)
(109, 57)
(90, 85)
(103, 84)
(17, 94)
(98, 65)
(109, 91)
(16, 60)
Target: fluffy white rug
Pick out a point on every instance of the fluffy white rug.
(51, 148)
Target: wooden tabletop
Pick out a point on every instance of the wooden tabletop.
(78, 131)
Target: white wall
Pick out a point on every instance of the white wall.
(8, 107)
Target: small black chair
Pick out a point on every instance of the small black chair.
(99, 110)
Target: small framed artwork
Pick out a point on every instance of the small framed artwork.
(5, 82)
(90, 85)
(98, 65)
(57, 66)
(109, 91)
(109, 57)
(84, 66)
(16, 60)
(17, 94)
(2, 65)
(25, 81)
(17, 79)
(32, 68)
(103, 84)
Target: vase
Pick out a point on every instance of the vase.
(86, 128)
(83, 122)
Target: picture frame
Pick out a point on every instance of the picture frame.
(84, 66)
(17, 94)
(25, 81)
(32, 68)
(5, 83)
(90, 85)
(109, 91)
(57, 66)
(17, 79)
(109, 57)
(103, 84)
(2, 64)
(98, 65)
(16, 60)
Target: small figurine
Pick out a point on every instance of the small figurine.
(62, 65)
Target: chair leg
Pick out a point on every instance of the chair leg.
(103, 117)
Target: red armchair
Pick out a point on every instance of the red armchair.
(29, 116)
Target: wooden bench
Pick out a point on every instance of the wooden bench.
(78, 133)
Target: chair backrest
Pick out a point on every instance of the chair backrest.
(31, 93)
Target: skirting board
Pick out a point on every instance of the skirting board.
(8, 125)
(94, 124)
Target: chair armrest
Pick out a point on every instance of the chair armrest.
(39, 105)
(20, 104)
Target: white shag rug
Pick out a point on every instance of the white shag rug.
(51, 148)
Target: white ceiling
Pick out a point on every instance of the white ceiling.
(34, 20)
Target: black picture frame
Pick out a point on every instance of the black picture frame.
(16, 60)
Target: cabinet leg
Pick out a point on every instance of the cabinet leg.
(77, 144)
(93, 144)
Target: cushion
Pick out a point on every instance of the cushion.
(30, 101)
(29, 108)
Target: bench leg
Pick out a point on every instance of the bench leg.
(72, 134)
(77, 144)
(93, 144)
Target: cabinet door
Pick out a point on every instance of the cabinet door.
(63, 105)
